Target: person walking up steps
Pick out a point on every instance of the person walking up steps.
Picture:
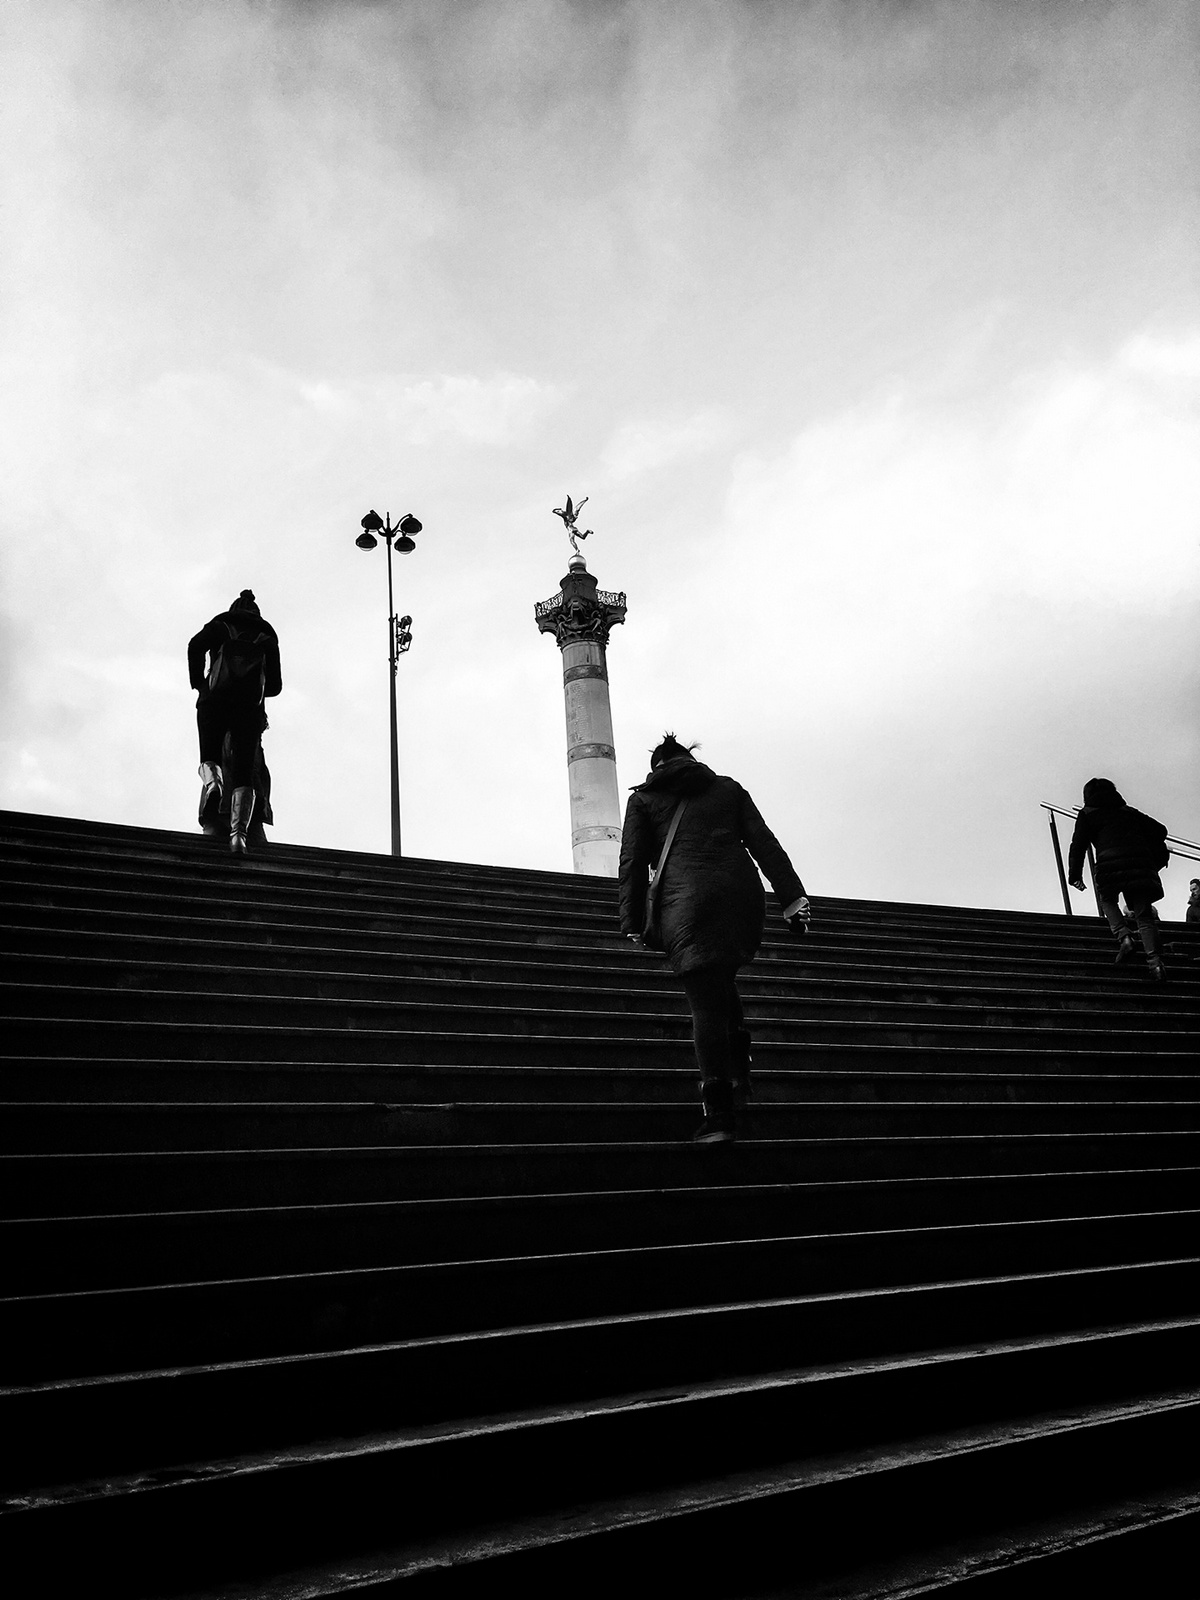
(242, 671)
(706, 907)
(1130, 851)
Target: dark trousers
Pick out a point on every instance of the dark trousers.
(244, 726)
(1142, 912)
(719, 1029)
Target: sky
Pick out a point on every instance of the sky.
(871, 331)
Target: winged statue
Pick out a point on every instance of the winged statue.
(569, 513)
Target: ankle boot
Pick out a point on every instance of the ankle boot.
(716, 1095)
(1124, 946)
(210, 797)
(241, 809)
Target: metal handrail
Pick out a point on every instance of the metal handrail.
(1187, 848)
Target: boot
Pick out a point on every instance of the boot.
(1124, 946)
(1150, 943)
(241, 809)
(739, 1044)
(716, 1094)
(210, 797)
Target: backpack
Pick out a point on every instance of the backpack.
(238, 667)
(1156, 844)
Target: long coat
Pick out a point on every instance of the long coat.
(711, 902)
(1128, 847)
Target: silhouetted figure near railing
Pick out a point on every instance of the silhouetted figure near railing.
(242, 670)
(1193, 905)
(706, 908)
(1130, 851)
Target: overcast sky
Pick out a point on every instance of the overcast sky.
(871, 330)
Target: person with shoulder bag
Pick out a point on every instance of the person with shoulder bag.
(233, 663)
(695, 833)
(1131, 849)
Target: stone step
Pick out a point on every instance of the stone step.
(107, 1250)
(612, 988)
(1062, 1410)
(323, 871)
(118, 1080)
(63, 1185)
(986, 1049)
(177, 946)
(958, 1514)
(94, 1331)
(30, 1127)
(796, 1023)
(243, 902)
(73, 1428)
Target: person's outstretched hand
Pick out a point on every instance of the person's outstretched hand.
(798, 922)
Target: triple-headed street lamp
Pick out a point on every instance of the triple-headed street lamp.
(399, 628)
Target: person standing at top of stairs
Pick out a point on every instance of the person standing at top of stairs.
(711, 907)
(1130, 849)
(241, 672)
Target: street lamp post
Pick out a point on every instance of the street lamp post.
(399, 629)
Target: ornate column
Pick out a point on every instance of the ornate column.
(580, 617)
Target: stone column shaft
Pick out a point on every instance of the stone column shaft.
(580, 618)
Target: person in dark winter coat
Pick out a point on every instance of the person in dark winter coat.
(1130, 848)
(711, 907)
(242, 670)
(1192, 916)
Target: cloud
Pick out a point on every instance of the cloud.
(501, 410)
(28, 782)
(1083, 482)
(649, 443)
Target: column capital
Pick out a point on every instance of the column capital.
(580, 613)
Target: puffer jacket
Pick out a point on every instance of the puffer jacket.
(712, 906)
(1128, 846)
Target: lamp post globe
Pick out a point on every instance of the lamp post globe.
(402, 534)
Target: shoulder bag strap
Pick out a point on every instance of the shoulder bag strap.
(667, 843)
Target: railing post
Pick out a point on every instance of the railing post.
(1062, 876)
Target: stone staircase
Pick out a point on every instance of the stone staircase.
(355, 1242)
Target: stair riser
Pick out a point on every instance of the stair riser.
(233, 886)
(322, 1508)
(104, 1016)
(54, 1129)
(65, 1185)
(77, 1252)
(72, 988)
(576, 1283)
(40, 840)
(261, 970)
(471, 951)
(230, 1082)
(247, 902)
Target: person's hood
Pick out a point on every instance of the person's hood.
(1100, 792)
(246, 622)
(682, 776)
